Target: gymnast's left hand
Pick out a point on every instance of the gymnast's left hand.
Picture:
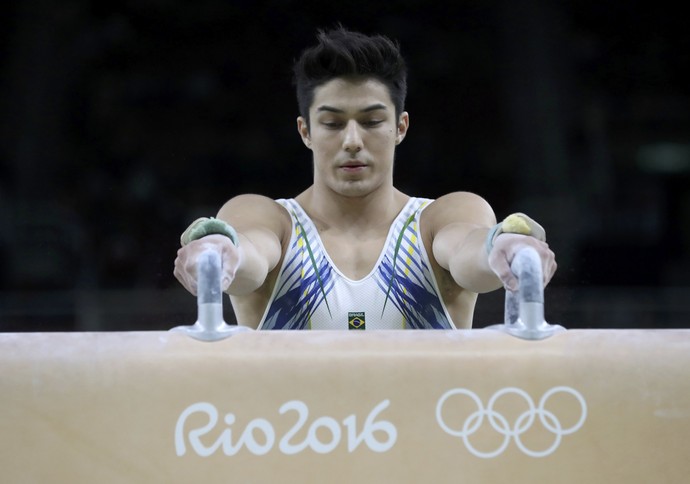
(504, 249)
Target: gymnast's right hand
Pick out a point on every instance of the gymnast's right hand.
(188, 255)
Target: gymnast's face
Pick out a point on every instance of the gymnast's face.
(353, 133)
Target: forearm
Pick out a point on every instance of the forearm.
(467, 261)
(475, 251)
(254, 264)
(260, 223)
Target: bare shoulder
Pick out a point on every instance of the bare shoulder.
(459, 207)
(252, 210)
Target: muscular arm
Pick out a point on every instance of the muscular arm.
(261, 226)
(459, 223)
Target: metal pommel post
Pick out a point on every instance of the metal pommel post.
(524, 309)
(210, 325)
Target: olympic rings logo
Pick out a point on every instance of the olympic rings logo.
(523, 422)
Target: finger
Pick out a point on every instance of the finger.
(225, 283)
(178, 273)
(550, 271)
(187, 282)
(510, 282)
(187, 270)
(499, 264)
(228, 267)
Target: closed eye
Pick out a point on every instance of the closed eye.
(331, 124)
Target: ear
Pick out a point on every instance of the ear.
(403, 126)
(303, 130)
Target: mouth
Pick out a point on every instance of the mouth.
(353, 166)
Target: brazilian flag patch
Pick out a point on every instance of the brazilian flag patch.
(355, 321)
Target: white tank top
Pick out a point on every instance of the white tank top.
(400, 292)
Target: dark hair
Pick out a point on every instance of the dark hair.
(343, 53)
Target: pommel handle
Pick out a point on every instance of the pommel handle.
(210, 325)
(524, 309)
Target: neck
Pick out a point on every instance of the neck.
(366, 212)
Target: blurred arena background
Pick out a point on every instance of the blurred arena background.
(123, 121)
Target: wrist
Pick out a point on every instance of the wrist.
(204, 226)
(516, 223)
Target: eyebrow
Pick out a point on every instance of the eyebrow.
(332, 109)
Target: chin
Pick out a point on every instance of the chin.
(355, 189)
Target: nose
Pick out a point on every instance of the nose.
(352, 143)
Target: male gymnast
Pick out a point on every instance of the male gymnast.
(352, 251)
